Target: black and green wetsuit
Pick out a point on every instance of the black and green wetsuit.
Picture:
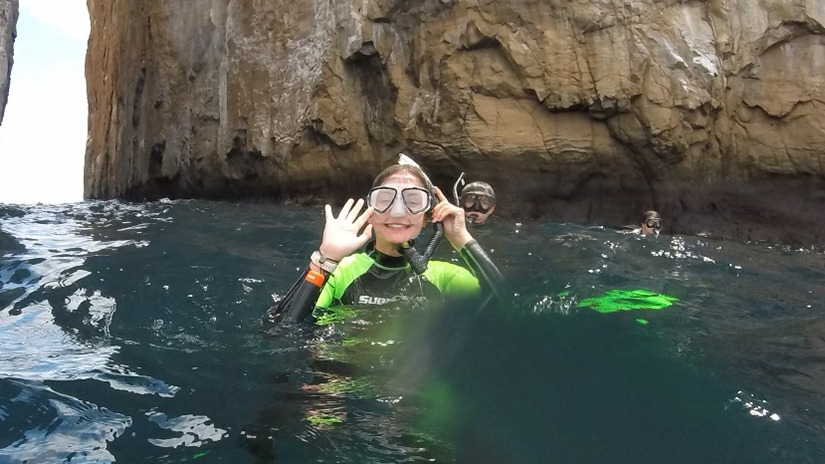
(371, 278)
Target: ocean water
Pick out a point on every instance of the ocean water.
(135, 333)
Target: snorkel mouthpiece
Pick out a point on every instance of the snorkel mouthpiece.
(416, 260)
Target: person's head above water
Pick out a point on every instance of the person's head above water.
(401, 197)
(478, 200)
(651, 223)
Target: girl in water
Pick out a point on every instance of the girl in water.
(397, 209)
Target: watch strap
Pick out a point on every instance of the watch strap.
(326, 264)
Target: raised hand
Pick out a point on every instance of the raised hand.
(341, 234)
(452, 216)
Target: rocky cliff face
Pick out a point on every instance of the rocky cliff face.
(8, 22)
(712, 112)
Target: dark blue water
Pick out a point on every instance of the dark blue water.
(134, 333)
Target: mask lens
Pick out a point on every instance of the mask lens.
(485, 201)
(417, 200)
(381, 198)
(468, 200)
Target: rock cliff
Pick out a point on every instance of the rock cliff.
(8, 23)
(712, 112)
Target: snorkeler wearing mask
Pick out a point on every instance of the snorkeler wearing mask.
(397, 209)
(478, 199)
(651, 223)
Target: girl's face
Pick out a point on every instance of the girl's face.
(397, 225)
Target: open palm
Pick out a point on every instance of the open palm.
(341, 234)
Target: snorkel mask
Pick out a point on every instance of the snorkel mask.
(416, 200)
(477, 202)
(655, 225)
(653, 221)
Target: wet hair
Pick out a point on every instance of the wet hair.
(652, 217)
(479, 187)
(406, 169)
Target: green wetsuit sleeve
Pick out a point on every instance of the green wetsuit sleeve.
(452, 281)
(305, 299)
(327, 293)
(337, 283)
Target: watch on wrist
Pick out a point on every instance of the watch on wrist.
(327, 265)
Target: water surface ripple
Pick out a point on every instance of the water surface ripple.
(134, 332)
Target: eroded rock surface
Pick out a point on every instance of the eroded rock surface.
(8, 31)
(591, 111)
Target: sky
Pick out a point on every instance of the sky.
(43, 134)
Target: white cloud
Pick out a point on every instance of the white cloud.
(70, 17)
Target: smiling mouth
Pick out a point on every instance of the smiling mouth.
(397, 226)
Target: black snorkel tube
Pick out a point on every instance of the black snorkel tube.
(418, 261)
